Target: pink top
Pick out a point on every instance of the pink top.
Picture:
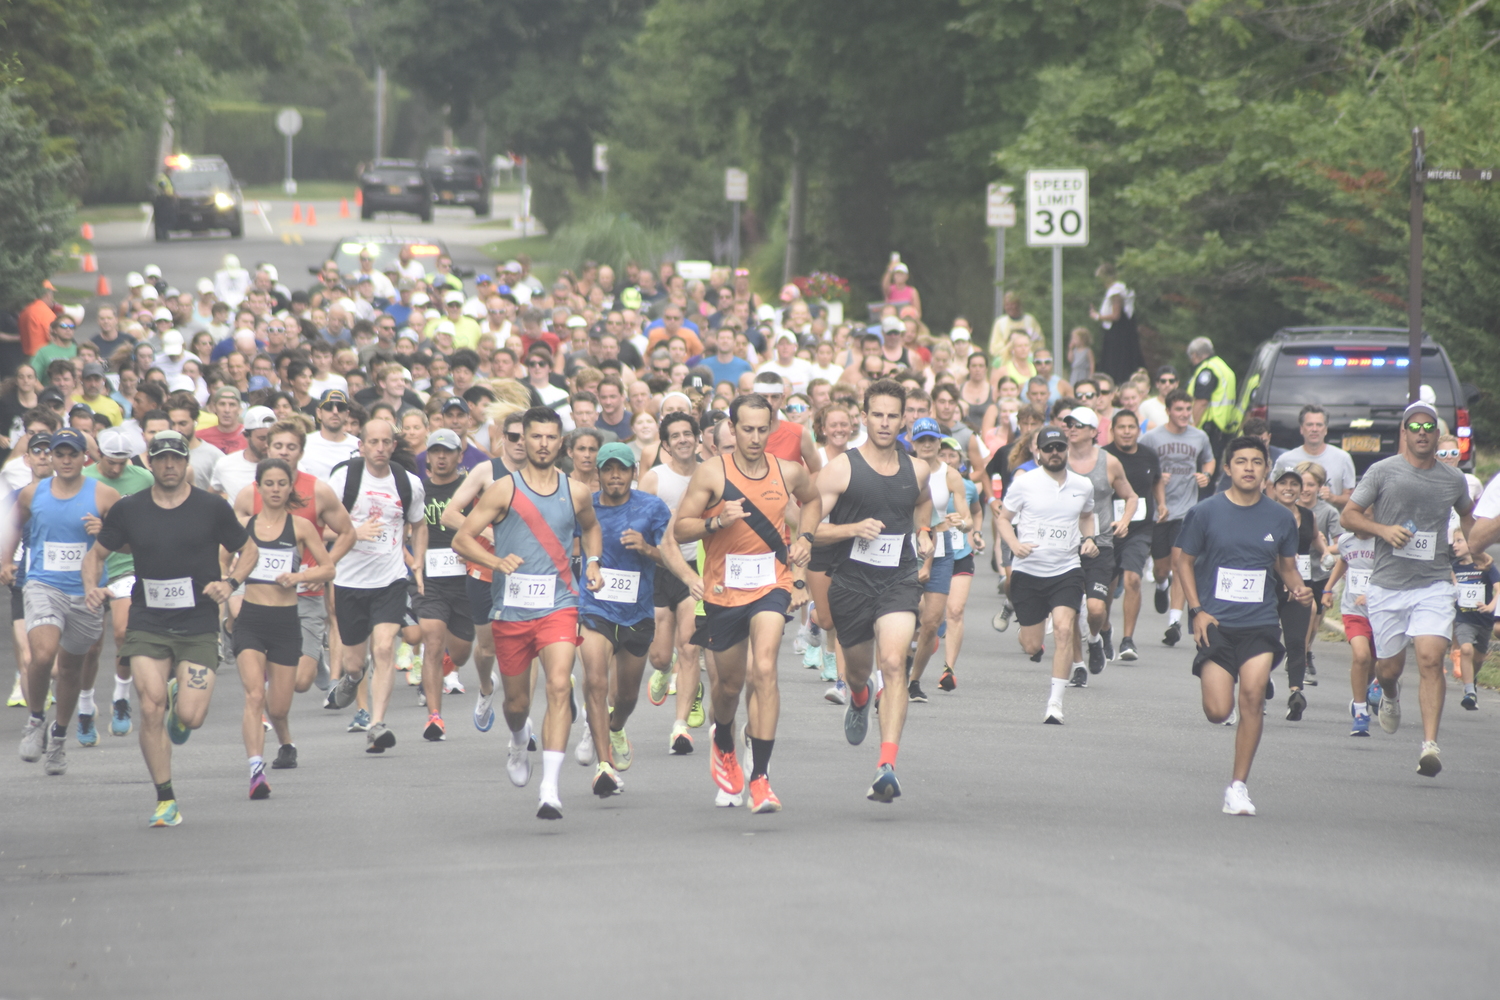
(898, 294)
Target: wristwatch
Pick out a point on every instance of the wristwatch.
(807, 535)
(800, 584)
(1194, 611)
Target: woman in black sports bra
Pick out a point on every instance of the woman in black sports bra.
(977, 385)
(267, 630)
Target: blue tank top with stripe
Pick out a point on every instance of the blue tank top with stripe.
(56, 538)
(540, 530)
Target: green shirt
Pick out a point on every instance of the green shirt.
(133, 479)
(49, 353)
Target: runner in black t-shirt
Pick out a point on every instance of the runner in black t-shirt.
(1131, 552)
(441, 603)
(175, 532)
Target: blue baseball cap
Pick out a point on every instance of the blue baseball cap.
(925, 427)
(73, 439)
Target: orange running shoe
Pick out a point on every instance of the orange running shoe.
(725, 769)
(762, 799)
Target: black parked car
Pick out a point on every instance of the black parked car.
(196, 194)
(457, 177)
(395, 186)
(1359, 375)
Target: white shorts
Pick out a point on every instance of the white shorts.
(1398, 615)
(120, 589)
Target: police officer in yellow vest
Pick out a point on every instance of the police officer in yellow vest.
(1215, 410)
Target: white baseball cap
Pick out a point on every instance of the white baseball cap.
(1084, 416)
(171, 345)
(258, 417)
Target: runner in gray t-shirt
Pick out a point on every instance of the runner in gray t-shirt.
(1187, 463)
(1405, 502)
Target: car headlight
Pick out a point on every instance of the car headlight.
(223, 202)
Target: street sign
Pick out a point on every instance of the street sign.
(601, 158)
(1057, 208)
(736, 185)
(1459, 175)
(999, 210)
(288, 121)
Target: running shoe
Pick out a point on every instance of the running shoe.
(286, 758)
(607, 781)
(830, 671)
(17, 697)
(360, 723)
(379, 739)
(332, 700)
(1037, 656)
(484, 712)
(57, 755)
(1237, 800)
(1471, 701)
(619, 750)
(518, 761)
(799, 644)
(404, 658)
(1373, 696)
(695, 714)
(119, 720)
(260, 788)
(680, 742)
(1128, 652)
(1312, 671)
(724, 768)
(1108, 635)
(947, 681)
(1390, 712)
(1173, 634)
(265, 723)
(342, 695)
(660, 681)
(1079, 678)
(1164, 598)
(1054, 716)
(435, 731)
(1096, 657)
(33, 739)
(762, 799)
(166, 814)
(914, 693)
(584, 751)
(323, 678)
(1296, 704)
(885, 788)
(548, 810)
(724, 800)
(857, 717)
(1428, 764)
(837, 693)
(672, 684)
(175, 729)
(452, 685)
(88, 736)
(1001, 621)
(1270, 690)
(814, 633)
(1359, 724)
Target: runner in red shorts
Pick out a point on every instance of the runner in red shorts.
(1356, 560)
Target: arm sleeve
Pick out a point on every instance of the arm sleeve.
(1205, 384)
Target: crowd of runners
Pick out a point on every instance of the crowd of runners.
(617, 482)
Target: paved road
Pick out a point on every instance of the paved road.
(1089, 860)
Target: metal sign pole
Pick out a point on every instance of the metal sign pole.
(1057, 307)
(999, 273)
(735, 251)
(1414, 277)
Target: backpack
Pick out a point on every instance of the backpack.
(354, 477)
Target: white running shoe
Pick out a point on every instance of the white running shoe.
(838, 694)
(726, 801)
(518, 760)
(452, 685)
(1428, 764)
(1054, 716)
(1237, 800)
(1390, 711)
(484, 712)
(584, 752)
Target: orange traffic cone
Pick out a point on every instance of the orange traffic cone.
(312, 216)
(103, 290)
(344, 208)
(296, 212)
(90, 265)
(359, 197)
(86, 231)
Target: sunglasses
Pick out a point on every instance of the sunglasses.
(536, 363)
(1072, 424)
(1166, 380)
(1043, 361)
(1084, 397)
(40, 448)
(1422, 426)
(65, 326)
(796, 408)
(1053, 448)
(514, 437)
(336, 407)
(1447, 453)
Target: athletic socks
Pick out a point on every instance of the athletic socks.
(888, 754)
(1080, 665)
(552, 762)
(1361, 708)
(86, 703)
(164, 792)
(256, 764)
(520, 737)
(1095, 640)
(760, 756)
(1469, 689)
(59, 730)
(123, 688)
(724, 737)
(1059, 684)
(1164, 584)
(860, 698)
(1174, 616)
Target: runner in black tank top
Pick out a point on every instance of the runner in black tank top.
(879, 532)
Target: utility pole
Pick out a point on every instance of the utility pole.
(379, 112)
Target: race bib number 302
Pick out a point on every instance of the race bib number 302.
(62, 557)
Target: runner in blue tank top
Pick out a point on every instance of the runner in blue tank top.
(535, 514)
(59, 516)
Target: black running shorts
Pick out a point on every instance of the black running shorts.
(1230, 648)
(633, 639)
(1163, 537)
(1098, 573)
(274, 631)
(1034, 597)
(725, 627)
(854, 613)
(446, 600)
(360, 609)
(1132, 551)
(667, 590)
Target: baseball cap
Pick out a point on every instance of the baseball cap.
(171, 343)
(256, 382)
(162, 312)
(134, 280)
(68, 436)
(577, 321)
(259, 418)
(616, 451)
(454, 403)
(114, 442)
(167, 443)
(333, 396)
(482, 279)
(1047, 435)
(960, 333)
(512, 266)
(452, 298)
(205, 286)
(271, 272)
(1165, 370)
(1282, 471)
(925, 427)
(148, 293)
(445, 326)
(231, 262)
(80, 407)
(892, 324)
(225, 392)
(951, 442)
(92, 369)
(765, 385)
(1084, 416)
(152, 271)
(420, 299)
(1419, 407)
(444, 438)
(49, 395)
(900, 268)
(630, 298)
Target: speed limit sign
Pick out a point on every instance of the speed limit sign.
(1057, 208)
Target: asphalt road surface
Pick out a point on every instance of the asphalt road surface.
(1088, 860)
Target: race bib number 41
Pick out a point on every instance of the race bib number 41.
(882, 550)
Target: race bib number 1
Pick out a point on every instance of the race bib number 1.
(1240, 586)
(169, 595)
(742, 572)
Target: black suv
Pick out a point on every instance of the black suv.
(1359, 375)
(395, 186)
(457, 178)
(196, 194)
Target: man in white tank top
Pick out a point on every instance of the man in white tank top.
(675, 600)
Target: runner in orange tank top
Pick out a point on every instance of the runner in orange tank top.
(737, 504)
(788, 441)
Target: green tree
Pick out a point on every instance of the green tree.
(34, 204)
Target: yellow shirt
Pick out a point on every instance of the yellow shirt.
(101, 404)
(1005, 326)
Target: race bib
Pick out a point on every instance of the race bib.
(529, 590)
(939, 544)
(1359, 581)
(1471, 596)
(743, 572)
(1240, 586)
(1304, 566)
(274, 562)
(621, 586)
(1140, 510)
(444, 562)
(379, 545)
(955, 540)
(1052, 536)
(63, 557)
(1423, 545)
(169, 595)
(882, 550)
